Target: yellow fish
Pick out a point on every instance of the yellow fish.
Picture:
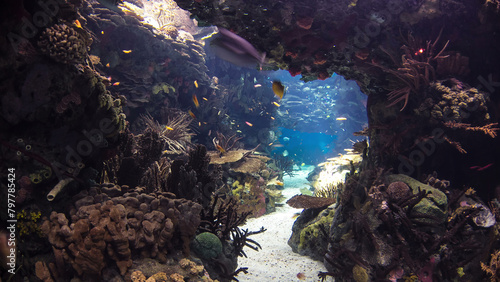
(341, 118)
(195, 100)
(205, 99)
(280, 183)
(107, 65)
(276, 104)
(169, 128)
(78, 24)
(196, 84)
(220, 149)
(127, 51)
(116, 83)
(191, 114)
(278, 89)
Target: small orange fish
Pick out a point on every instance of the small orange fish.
(205, 99)
(127, 51)
(196, 84)
(195, 100)
(280, 183)
(276, 104)
(191, 114)
(220, 149)
(107, 65)
(301, 276)
(249, 124)
(78, 24)
(272, 118)
(169, 128)
(116, 83)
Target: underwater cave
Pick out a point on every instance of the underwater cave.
(206, 140)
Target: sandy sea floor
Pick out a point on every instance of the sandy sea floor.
(276, 261)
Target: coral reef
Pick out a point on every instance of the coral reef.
(176, 269)
(65, 44)
(492, 269)
(223, 143)
(222, 217)
(193, 179)
(456, 102)
(106, 229)
(310, 232)
(78, 78)
(176, 133)
(422, 220)
(284, 164)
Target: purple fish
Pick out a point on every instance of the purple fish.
(234, 49)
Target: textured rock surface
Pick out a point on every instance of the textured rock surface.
(432, 209)
(107, 229)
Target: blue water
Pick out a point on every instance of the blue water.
(304, 147)
(317, 119)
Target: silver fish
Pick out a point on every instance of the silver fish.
(236, 50)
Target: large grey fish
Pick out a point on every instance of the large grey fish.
(236, 50)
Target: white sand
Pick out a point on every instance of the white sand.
(276, 261)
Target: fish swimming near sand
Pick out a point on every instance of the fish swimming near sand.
(236, 50)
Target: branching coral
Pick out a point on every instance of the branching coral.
(285, 164)
(176, 133)
(194, 180)
(240, 240)
(416, 69)
(493, 269)
(489, 129)
(222, 217)
(224, 143)
(155, 177)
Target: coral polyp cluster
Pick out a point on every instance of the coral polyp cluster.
(64, 44)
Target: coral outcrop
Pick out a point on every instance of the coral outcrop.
(105, 229)
(310, 232)
(65, 44)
